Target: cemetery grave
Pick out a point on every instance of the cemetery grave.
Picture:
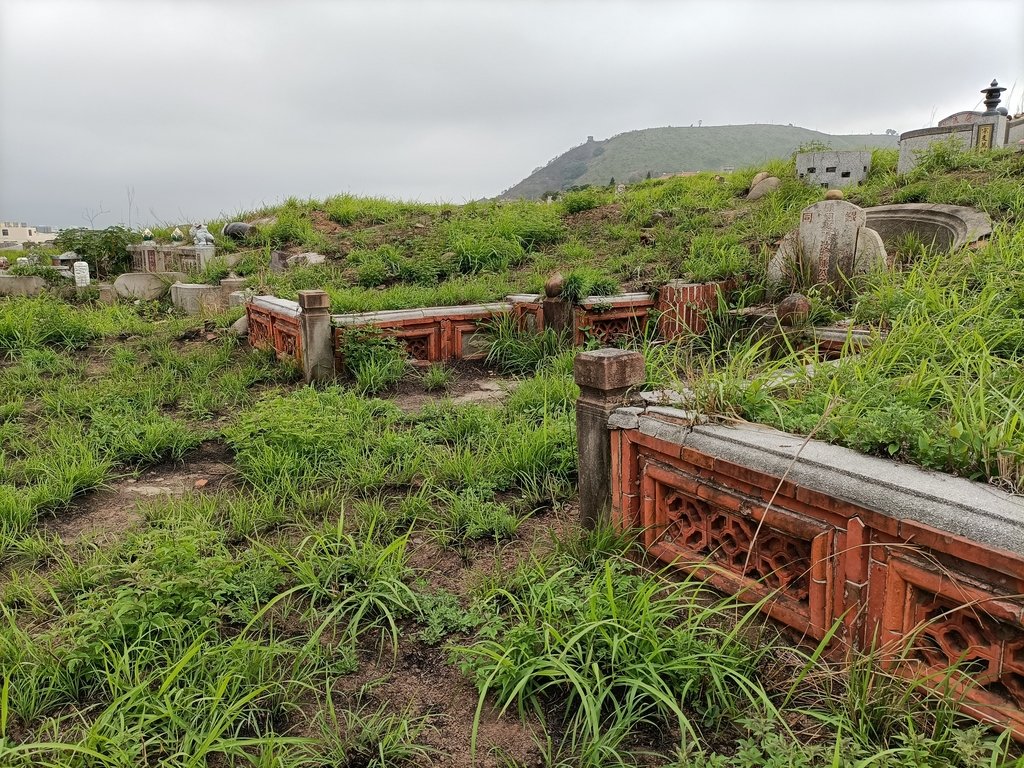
(205, 561)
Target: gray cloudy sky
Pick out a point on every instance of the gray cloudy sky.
(204, 108)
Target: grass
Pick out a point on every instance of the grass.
(356, 551)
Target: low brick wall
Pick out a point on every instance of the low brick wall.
(274, 324)
(609, 318)
(902, 558)
(442, 334)
(432, 334)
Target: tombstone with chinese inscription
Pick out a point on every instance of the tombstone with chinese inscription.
(832, 245)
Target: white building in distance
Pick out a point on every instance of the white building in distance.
(19, 232)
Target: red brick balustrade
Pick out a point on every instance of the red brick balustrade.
(274, 324)
(432, 334)
(442, 334)
(901, 557)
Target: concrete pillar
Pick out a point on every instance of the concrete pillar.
(317, 336)
(603, 376)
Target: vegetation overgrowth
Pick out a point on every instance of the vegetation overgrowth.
(384, 580)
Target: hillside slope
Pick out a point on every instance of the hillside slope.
(629, 156)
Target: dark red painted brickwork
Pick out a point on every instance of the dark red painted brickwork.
(891, 583)
(276, 330)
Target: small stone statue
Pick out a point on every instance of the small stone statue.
(201, 235)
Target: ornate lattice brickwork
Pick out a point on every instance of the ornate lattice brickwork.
(780, 561)
(611, 329)
(989, 651)
(286, 342)
(259, 329)
(417, 346)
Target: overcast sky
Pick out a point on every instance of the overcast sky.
(204, 108)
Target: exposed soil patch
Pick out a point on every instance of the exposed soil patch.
(470, 385)
(106, 514)
(424, 680)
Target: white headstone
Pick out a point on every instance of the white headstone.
(828, 239)
(81, 272)
(21, 261)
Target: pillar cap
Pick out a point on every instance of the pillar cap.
(314, 300)
(609, 369)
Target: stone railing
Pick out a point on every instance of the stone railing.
(925, 567)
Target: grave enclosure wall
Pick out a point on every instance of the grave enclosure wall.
(444, 334)
(899, 557)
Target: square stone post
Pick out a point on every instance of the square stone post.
(317, 336)
(603, 376)
(558, 314)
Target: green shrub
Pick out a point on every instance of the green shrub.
(582, 200)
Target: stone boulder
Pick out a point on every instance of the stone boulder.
(147, 286)
(240, 327)
(758, 178)
(832, 245)
(763, 187)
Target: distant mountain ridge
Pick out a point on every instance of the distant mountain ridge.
(630, 156)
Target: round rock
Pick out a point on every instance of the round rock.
(553, 287)
(764, 187)
(834, 194)
(795, 309)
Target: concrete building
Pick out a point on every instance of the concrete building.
(20, 232)
(832, 169)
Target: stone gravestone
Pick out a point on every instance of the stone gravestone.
(832, 244)
(81, 273)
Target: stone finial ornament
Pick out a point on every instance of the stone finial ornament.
(834, 194)
(553, 287)
(147, 234)
(177, 235)
(993, 95)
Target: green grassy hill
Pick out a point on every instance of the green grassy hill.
(629, 156)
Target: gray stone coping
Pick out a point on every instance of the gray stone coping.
(621, 300)
(279, 306)
(524, 298)
(945, 130)
(426, 313)
(196, 287)
(958, 506)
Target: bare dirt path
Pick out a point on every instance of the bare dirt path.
(104, 515)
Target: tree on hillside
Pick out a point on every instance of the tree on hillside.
(611, 183)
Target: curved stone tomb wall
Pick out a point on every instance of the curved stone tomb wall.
(946, 227)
